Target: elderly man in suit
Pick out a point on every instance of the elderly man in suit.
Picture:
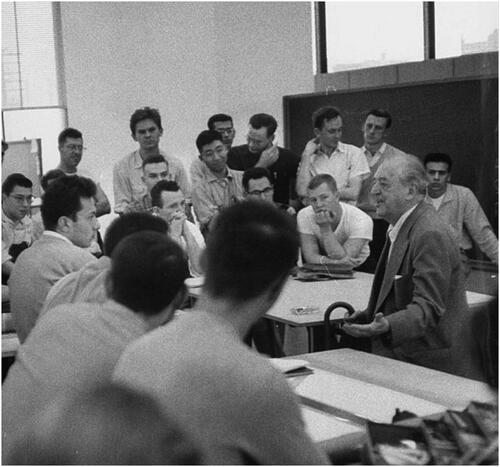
(417, 308)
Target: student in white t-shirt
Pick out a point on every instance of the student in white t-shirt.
(169, 203)
(332, 232)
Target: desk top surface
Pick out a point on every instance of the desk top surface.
(321, 294)
(433, 386)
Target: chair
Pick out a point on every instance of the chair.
(333, 329)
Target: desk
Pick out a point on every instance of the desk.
(321, 294)
(372, 386)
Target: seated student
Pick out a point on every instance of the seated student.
(69, 217)
(258, 183)
(169, 203)
(107, 424)
(221, 186)
(128, 186)
(332, 232)
(78, 344)
(229, 397)
(89, 283)
(224, 125)
(154, 169)
(17, 228)
(458, 208)
(262, 152)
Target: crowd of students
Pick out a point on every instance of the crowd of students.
(89, 312)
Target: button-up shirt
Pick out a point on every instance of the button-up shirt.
(127, 179)
(461, 211)
(393, 230)
(211, 194)
(344, 164)
(14, 233)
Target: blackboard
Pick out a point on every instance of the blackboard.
(459, 117)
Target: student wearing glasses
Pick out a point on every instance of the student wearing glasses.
(70, 145)
(17, 228)
(258, 183)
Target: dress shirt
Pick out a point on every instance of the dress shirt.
(344, 164)
(15, 232)
(127, 179)
(212, 194)
(393, 230)
(461, 211)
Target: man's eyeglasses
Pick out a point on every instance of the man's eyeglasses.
(75, 147)
(265, 191)
(21, 199)
(224, 131)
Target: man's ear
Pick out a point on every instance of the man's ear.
(272, 138)
(317, 132)
(64, 224)
(143, 179)
(133, 136)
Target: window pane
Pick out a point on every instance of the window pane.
(369, 34)
(45, 124)
(29, 72)
(466, 28)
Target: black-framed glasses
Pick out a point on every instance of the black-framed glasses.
(265, 191)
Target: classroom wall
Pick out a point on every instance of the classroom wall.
(190, 60)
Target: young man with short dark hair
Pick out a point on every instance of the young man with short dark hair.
(17, 228)
(146, 129)
(228, 396)
(221, 186)
(77, 345)
(262, 151)
(69, 216)
(169, 203)
(458, 208)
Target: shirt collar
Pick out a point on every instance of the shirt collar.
(338, 150)
(51, 233)
(380, 150)
(11, 223)
(211, 177)
(393, 230)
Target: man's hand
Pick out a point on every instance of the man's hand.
(324, 219)
(378, 326)
(268, 157)
(311, 147)
(357, 317)
(176, 225)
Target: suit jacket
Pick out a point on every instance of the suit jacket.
(422, 294)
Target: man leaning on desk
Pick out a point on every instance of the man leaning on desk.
(417, 305)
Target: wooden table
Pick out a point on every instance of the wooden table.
(371, 387)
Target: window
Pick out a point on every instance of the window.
(353, 35)
(32, 92)
(466, 28)
(369, 34)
